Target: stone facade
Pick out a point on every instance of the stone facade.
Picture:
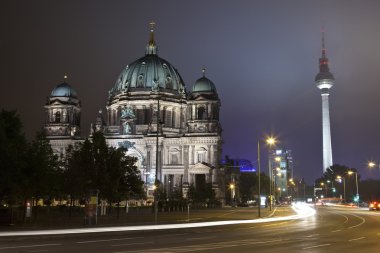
(175, 135)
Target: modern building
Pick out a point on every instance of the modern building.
(324, 81)
(280, 171)
(174, 134)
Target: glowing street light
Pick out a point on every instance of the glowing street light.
(371, 164)
(339, 178)
(269, 141)
(232, 188)
(357, 186)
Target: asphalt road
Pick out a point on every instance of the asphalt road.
(332, 229)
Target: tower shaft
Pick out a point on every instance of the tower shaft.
(327, 150)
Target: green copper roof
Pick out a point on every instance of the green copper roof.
(64, 90)
(149, 73)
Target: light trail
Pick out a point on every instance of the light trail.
(302, 210)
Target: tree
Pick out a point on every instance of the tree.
(13, 148)
(247, 182)
(92, 165)
(329, 181)
(43, 172)
(370, 190)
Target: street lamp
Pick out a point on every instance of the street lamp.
(344, 185)
(232, 188)
(372, 165)
(332, 187)
(324, 186)
(357, 186)
(269, 141)
(155, 187)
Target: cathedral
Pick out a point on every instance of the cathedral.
(174, 134)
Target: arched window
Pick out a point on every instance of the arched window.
(200, 155)
(168, 118)
(174, 157)
(57, 117)
(201, 113)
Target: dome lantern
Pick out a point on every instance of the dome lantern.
(151, 48)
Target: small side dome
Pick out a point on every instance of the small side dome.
(204, 86)
(64, 90)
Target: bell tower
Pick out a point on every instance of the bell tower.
(62, 113)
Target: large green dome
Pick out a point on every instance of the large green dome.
(149, 73)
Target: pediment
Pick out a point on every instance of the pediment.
(200, 168)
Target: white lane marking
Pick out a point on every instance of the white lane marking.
(356, 239)
(302, 210)
(363, 221)
(163, 236)
(345, 217)
(203, 247)
(31, 246)
(129, 244)
(317, 246)
(334, 231)
(312, 235)
(110, 240)
(271, 214)
(200, 238)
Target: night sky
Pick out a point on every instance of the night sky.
(261, 55)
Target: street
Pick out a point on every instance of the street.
(332, 229)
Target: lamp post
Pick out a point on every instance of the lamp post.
(155, 187)
(275, 171)
(259, 167)
(270, 141)
(322, 184)
(332, 187)
(344, 186)
(232, 188)
(146, 173)
(357, 186)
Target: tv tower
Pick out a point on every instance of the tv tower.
(324, 81)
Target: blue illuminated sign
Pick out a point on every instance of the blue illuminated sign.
(247, 169)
